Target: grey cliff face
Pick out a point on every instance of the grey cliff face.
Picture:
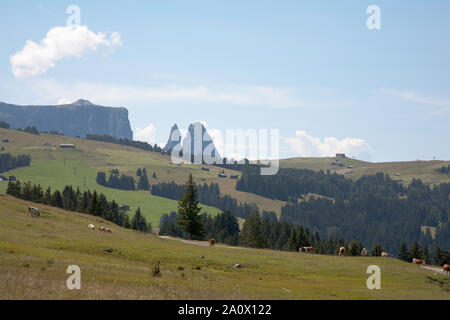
(174, 138)
(75, 119)
(198, 142)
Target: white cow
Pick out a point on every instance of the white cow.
(34, 211)
(91, 226)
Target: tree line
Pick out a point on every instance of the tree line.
(444, 169)
(259, 232)
(208, 194)
(373, 209)
(87, 202)
(116, 180)
(122, 141)
(29, 129)
(123, 181)
(256, 232)
(438, 257)
(9, 162)
(4, 125)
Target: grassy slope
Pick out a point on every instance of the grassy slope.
(34, 255)
(407, 170)
(48, 169)
(89, 157)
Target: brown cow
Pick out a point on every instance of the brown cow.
(419, 262)
(446, 268)
(212, 242)
(385, 254)
(341, 251)
(306, 250)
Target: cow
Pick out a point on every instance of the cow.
(104, 229)
(212, 242)
(385, 254)
(91, 226)
(364, 252)
(306, 250)
(446, 268)
(341, 251)
(419, 262)
(34, 212)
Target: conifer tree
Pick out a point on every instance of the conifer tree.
(252, 234)
(291, 244)
(414, 251)
(143, 183)
(403, 252)
(376, 251)
(189, 218)
(437, 256)
(138, 221)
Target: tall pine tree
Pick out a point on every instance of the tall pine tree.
(252, 234)
(403, 252)
(189, 218)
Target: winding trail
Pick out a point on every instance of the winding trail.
(197, 242)
(434, 269)
(206, 244)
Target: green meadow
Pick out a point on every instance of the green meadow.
(35, 254)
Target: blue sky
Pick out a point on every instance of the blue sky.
(311, 69)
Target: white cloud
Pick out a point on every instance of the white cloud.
(253, 96)
(308, 146)
(147, 134)
(59, 43)
(63, 101)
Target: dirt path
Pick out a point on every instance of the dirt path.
(434, 269)
(198, 243)
(206, 244)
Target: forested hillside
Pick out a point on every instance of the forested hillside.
(372, 209)
(207, 194)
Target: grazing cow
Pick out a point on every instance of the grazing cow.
(34, 212)
(341, 251)
(385, 254)
(419, 262)
(306, 250)
(364, 252)
(104, 229)
(91, 226)
(212, 242)
(446, 268)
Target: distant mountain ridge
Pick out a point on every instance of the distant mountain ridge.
(75, 119)
(174, 138)
(195, 145)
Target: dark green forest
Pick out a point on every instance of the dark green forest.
(9, 162)
(87, 202)
(208, 195)
(372, 209)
